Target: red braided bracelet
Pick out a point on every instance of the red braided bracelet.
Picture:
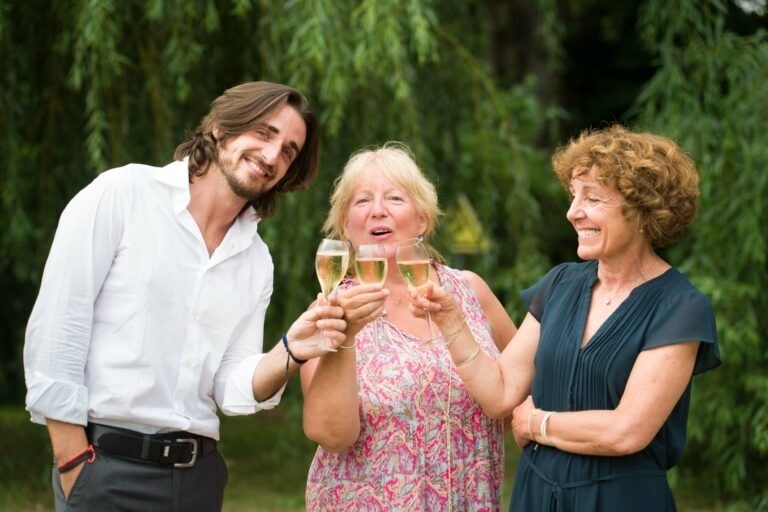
(89, 454)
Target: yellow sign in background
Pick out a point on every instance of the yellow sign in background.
(466, 232)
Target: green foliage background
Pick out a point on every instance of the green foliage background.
(482, 92)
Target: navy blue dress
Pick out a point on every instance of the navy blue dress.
(661, 311)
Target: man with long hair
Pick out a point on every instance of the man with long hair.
(151, 310)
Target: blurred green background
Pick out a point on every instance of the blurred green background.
(482, 91)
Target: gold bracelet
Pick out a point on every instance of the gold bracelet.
(470, 358)
(450, 338)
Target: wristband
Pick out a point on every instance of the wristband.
(290, 354)
(88, 455)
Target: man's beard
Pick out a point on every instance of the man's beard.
(239, 186)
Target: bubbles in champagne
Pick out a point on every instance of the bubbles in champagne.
(416, 272)
(371, 270)
(331, 266)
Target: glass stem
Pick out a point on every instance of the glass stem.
(432, 336)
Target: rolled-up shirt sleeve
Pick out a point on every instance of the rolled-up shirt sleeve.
(234, 379)
(238, 392)
(59, 329)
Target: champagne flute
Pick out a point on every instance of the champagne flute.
(371, 267)
(413, 262)
(331, 263)
(371, 263)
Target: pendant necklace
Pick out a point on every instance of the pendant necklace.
(642, 280)
(609, 300)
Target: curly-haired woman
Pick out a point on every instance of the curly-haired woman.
(598, 377)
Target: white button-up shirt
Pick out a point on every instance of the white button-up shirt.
(136, 325)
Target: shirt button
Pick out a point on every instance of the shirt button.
(196, 316)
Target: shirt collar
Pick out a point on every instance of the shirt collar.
(176, 176)
(246, 225)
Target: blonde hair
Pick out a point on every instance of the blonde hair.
(395, 161)
(658, 181)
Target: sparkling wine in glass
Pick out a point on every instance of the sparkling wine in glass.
(331, 263)
(371, 263)
(371, 267)
(413, 262)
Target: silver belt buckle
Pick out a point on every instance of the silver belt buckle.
(192, 461)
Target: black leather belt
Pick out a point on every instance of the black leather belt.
(177, 449)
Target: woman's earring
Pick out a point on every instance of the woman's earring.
(421, 237)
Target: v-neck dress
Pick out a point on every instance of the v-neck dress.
(662, 311)
(425, 444)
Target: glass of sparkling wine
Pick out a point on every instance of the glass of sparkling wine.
(371, 263)
(371, 267)
(331, 263)
(413, 262)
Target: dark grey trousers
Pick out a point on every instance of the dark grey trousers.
(114, 484)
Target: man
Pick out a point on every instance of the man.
(151, 310)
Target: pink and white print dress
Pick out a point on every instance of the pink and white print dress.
(424, 441)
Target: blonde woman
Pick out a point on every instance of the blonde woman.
(396, 427)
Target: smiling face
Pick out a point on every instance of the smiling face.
(255, 161)
(596, 214)
(381, 211)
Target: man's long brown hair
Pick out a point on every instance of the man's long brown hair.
(242, 109)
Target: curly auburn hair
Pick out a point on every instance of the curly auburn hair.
(658, 181)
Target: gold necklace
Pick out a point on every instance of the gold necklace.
(633, 285)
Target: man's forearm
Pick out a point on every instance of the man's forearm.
(270, 374)
(67, 439)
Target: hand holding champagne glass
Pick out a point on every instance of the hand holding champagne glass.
(413, 262)
(331, 263)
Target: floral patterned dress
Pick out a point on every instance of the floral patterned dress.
(425, 444)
